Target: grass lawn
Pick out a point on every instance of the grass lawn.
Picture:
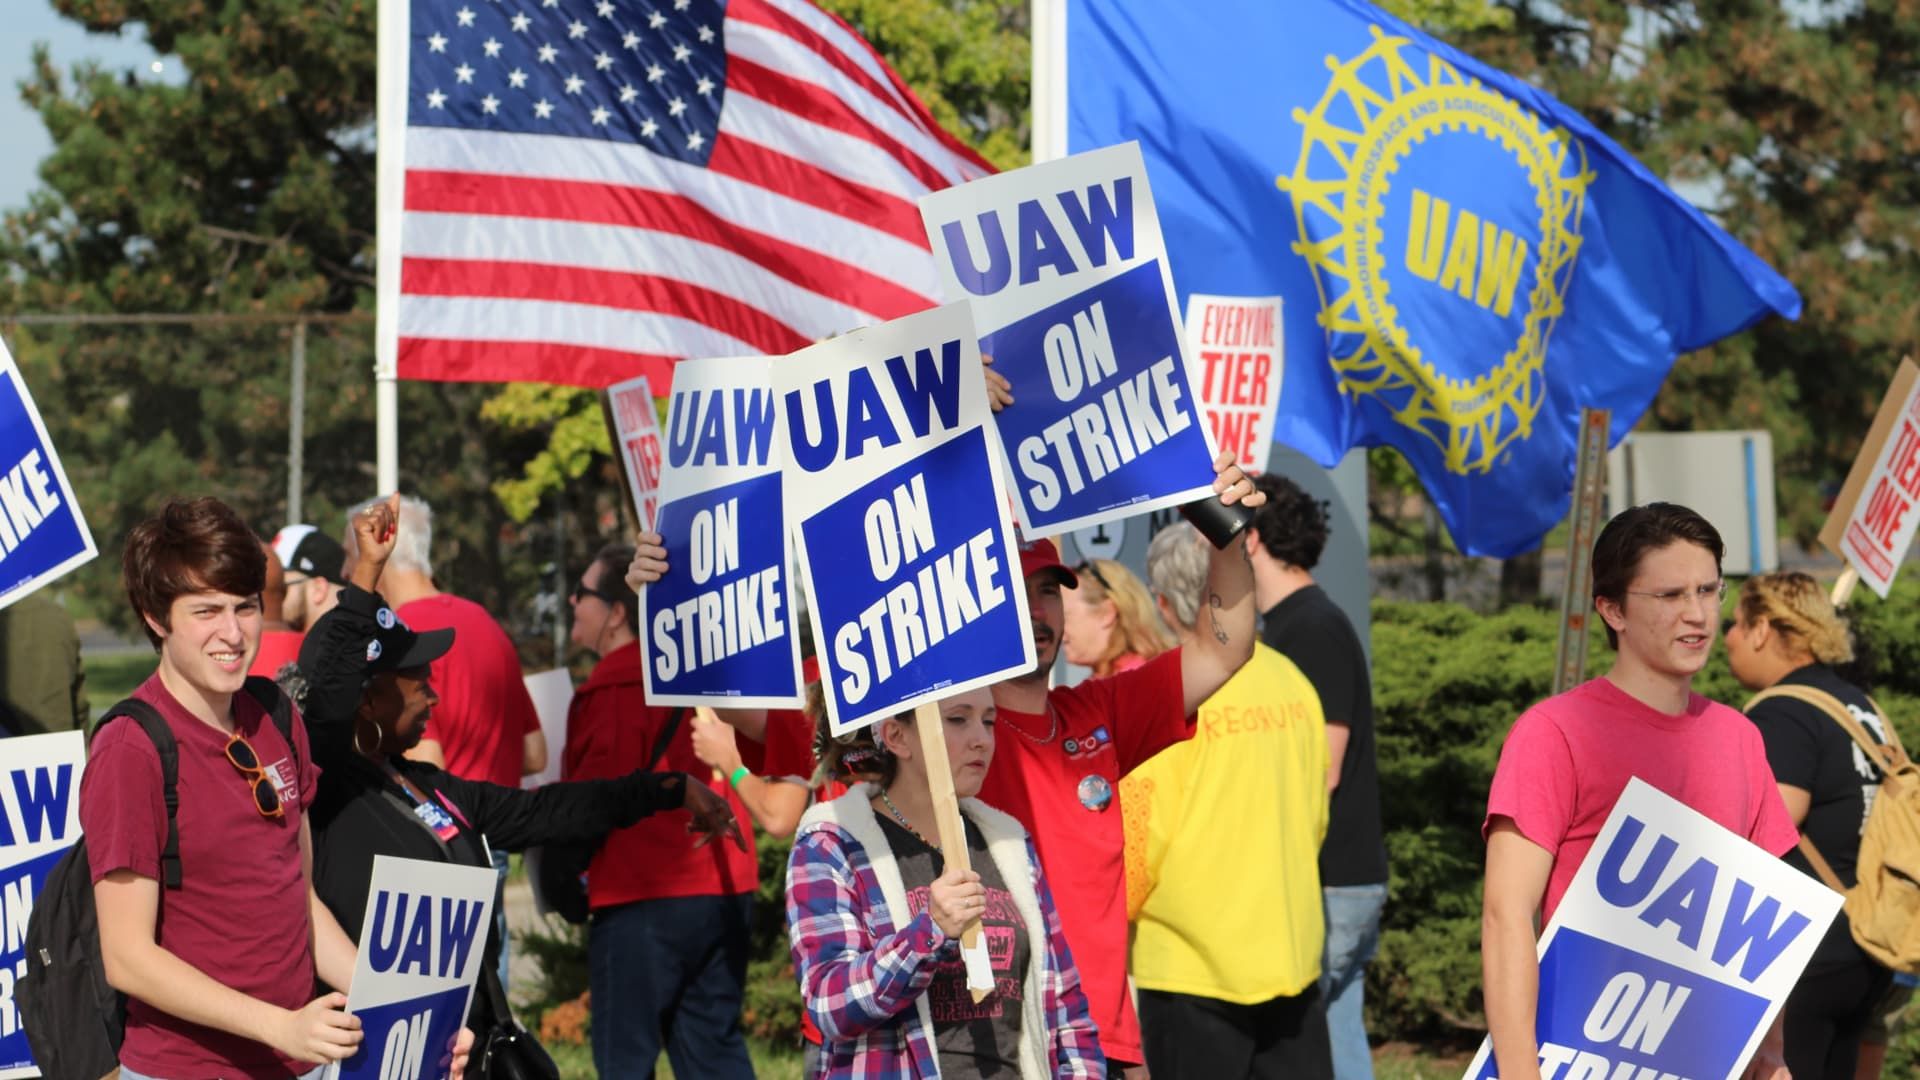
(1396, 1061)
(112, 677)
(769, 1063)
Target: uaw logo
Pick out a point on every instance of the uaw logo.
(1442, 221)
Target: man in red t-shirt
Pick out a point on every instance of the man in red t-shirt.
(279, 641)
(668, 944)
(217, 969)
(1657, 584)
(1061, 753)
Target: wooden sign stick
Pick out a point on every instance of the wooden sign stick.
(946, 813)
(1843, 588)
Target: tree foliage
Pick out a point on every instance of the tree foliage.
(246, 189)
(1798, 127)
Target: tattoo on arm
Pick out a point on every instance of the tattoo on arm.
(1214, 605)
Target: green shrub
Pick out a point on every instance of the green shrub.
(772, 1007)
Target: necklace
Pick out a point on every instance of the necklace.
(904, 823)
(1053, 727)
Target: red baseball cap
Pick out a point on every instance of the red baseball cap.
(1038, 556)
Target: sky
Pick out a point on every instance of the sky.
(22, 136)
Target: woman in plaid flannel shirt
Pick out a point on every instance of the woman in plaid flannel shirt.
(874, 917)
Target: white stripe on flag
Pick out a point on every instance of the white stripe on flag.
(749, 205)
(623, 249)
(484, 319)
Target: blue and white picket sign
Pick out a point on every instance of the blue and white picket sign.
(42, 533)
(1675, 945)
(420, 948)
(895, 501)
(719, 626)
(39, 821)
(1067, 274)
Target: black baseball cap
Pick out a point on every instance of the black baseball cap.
(309, 551)
(396, 646)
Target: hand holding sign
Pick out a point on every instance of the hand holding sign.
(999, 390)
(956, 898)
(649, 560)
(322, 1030)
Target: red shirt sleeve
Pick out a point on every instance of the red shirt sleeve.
(1145, 707)
(789, 748)
(1534, 782)
(123, 812)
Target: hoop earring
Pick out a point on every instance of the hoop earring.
(361, 750)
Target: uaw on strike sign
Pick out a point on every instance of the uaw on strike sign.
(1067, 274)
(1672, 950)
(895, 498)
(420, 949)
(719, 626)
(39, 821)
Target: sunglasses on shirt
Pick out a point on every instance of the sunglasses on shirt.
(266, 797)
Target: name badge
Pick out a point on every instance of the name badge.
(437, 819)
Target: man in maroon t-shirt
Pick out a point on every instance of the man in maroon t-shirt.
(218, 969)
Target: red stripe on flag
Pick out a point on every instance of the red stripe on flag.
(609, 204)
(761, 13)
(814, 103)
(527, 361)
(802, 181)
(600, 288)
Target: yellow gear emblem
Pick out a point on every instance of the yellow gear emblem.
(1378, 108)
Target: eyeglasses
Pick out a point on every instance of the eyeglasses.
(582, 590)
(1085, 566)
(266, 798)
(1675, 597)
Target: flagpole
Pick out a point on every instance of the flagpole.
(390, 122)
(1049, 83)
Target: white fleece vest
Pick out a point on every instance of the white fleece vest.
(1007, 845)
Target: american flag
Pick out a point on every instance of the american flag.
(595, 188)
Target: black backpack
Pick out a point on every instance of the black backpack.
(73, 1018)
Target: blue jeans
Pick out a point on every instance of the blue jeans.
(500, 913)
(669, 974)
(1353, 933)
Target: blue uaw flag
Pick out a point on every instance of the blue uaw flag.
(1464, 262)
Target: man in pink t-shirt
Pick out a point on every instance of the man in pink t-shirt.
(1657, 584)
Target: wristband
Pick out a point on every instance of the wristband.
(733, 778)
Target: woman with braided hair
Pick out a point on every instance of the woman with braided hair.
(874, 913)
(1785, 632)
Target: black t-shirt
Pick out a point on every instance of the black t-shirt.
(973, 1039)
(1808, 749)
(1314, 633)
